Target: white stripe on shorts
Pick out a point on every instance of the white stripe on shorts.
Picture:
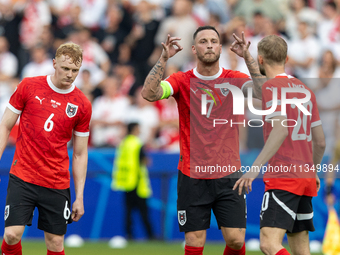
(304, 216)
(284, 207)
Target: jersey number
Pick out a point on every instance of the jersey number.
(67, 212)
(265, 201)
(49, 123)
(302, 121)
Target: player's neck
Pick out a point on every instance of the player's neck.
(272, 72)
(57, 84)
(208, 70)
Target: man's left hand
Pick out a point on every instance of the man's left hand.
(77, 210)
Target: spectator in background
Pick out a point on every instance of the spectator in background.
(327, 95)
(46, 39)
(300, 11)
(95, 58)
(9, 26)
(109, 115)
(117, 26)
(168, 129)
(180, 24)
(141, 39)
(92, 12)
(125, 73)
(304, 53)
(269, 27)
(327, 27)
(257, 24)
(36, 15)
(41, 63)
(87, 87)
(67, 21)
(130, 175)
(8, 66)
(146, 114)
(247, 9)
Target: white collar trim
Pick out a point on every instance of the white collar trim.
(60, 91)
(284, 74)
(202, 77)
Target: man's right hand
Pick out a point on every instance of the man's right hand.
(171, 47)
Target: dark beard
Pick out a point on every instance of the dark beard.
(210, 61)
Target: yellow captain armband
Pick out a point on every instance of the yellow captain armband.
(166, 89)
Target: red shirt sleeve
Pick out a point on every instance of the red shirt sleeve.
(173, 81)
(83, 126)
(18, 99)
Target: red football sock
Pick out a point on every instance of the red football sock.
(282, 252)
(190, 250)
(55, 253)
(230, 251)
(15, 249)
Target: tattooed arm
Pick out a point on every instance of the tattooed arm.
(152, 90)
(240, 47)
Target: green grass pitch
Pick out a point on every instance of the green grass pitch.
(37, 247)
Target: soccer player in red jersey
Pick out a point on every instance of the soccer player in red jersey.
(202, 144)
(294, 147)
(52, 111)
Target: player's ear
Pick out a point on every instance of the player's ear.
(287, 58)
(260, 59)
(54, 63)
(193, 48)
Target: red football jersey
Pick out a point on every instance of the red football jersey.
(48, 118)
(207, 151)
(295, 153)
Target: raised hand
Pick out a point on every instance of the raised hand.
(240, 46)
(171, 47)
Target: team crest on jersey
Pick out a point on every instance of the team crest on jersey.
(225, 91)
(182, 217)
(6, 212)
(71, 110)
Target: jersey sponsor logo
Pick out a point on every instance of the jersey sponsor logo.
(71, 110)
(55, 104)
(40, 100)
(182, 217)
(6, 212)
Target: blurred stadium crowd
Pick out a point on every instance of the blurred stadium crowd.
(122, 39)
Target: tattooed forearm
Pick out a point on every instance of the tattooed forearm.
(258, 78)
(152, 90)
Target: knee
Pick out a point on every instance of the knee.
(235, 243)
(194, 239)
(11, 237)
(265, 247)
(55, 243)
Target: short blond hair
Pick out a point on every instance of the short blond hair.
(71, 50)
(273, 49)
